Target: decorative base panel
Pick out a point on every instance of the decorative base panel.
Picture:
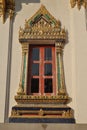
(41, 114)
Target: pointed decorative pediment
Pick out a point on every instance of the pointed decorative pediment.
(43, 13)
(42, 26)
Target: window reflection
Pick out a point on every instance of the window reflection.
(35, 54)
(48, 53)
(48, 70)
(48, 86)
(35, 69)
(34, 85)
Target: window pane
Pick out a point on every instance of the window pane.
(34, 85)
(35, 54)
(35, 69)
(48, 70)
(48, 53)
(48, 86)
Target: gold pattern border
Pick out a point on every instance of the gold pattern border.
(24, 99)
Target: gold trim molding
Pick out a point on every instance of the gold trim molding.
(7, 8)
(25, 99)
(79, 3)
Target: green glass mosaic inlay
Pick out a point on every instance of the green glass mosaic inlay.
(59, 78)
(23, 75)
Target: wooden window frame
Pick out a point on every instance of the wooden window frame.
(41, 75)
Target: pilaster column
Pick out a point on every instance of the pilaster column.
(26, 68)
(23, 76)
(61, 89)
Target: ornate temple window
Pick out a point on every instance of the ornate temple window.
(40, 31)
(42, 95)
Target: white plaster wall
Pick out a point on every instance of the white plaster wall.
(80, 48)
(4, 33)
(74, 53)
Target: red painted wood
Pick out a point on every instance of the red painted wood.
(42, 70)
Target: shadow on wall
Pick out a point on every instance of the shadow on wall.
(67, 37)
(18, 3)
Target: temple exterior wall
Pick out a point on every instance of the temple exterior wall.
(75, 53)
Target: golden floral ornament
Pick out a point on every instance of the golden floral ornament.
(41, 112)
(79, 3)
